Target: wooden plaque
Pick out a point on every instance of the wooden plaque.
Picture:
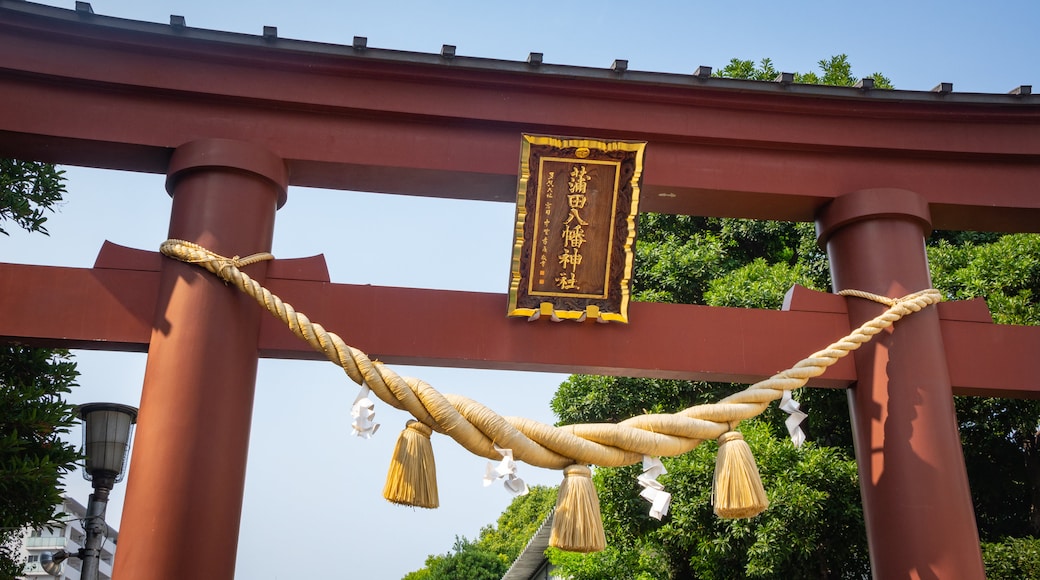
(576, 207)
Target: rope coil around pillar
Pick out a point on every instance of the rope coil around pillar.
(479, 429)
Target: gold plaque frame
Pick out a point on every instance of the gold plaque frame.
(576, 206)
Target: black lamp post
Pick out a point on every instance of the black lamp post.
(106, 443)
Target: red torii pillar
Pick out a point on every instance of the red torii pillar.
(911, 466)
(197, 400)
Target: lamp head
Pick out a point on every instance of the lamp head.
(106, 441)
(51, 563)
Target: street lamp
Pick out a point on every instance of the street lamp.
(106, 444)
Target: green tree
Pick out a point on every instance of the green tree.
(467, 560)
(33, 457)
(510, 535)
(811, 530)
(837, 71)
(1005, 270)
(1012, 559)
(33, 413)
(491, 554)
(28, 190)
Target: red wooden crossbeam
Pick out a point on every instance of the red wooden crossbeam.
(115, 300)
(387, 121)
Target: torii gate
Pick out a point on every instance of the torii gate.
(232, 120)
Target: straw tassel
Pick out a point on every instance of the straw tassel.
(737, 491)
(577, 524)
(412, 478)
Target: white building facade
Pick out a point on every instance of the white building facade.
(70, 536)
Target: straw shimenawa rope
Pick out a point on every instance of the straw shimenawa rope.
(479, 429)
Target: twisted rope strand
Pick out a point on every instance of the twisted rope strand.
(478, 428)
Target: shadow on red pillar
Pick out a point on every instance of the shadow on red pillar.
(184, 490)
(917, 504)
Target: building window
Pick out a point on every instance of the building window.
(55, 532)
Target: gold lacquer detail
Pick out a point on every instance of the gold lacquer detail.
(577, 201)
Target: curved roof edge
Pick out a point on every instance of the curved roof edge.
(533, 555)
(534, 64)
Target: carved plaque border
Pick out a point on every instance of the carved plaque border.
(576, 206)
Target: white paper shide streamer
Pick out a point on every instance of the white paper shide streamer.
(364, 414)
(794, 422)
(506, 471)
(653, 490)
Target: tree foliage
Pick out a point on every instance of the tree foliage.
(602, 399)
(27, 190)
(1004, 270)
(1012, 559)
(491, 554)
(510, 535)
(33, 413)
(33, 457)
(836, 71)
(467, 560)
(811, 530)
(681, 258)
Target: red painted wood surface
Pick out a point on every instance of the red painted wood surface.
(908, 450)
(468, 329)
(192, 438)
(386, 121)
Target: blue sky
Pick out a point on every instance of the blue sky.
(311, 487)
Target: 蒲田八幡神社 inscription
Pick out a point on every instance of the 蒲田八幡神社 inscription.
(577, 201)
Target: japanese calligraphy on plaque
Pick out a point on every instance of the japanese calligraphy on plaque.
(576, 207)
